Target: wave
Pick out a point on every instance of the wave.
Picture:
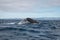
(17, 28)
(47, 30)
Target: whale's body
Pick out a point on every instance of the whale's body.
(27, 20)
(31, 20)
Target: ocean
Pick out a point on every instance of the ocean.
(46, 30)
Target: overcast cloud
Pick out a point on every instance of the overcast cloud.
(34, 6)
(26, 5)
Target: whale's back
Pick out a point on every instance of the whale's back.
(31, 20)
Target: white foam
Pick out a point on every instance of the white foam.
(10, 23)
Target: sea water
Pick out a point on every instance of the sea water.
(46, 30)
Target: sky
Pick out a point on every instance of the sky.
(29, 8)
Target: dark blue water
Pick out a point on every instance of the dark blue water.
(46, 30)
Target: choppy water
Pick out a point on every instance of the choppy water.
(46, 30)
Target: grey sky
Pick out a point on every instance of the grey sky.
(29, 8)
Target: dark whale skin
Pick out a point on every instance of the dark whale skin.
(31, 20)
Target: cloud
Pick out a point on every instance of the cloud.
(26, 5)
(16, 5)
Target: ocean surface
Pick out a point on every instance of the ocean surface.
(46, 30)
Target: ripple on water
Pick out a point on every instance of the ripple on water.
(33, 31)
(43, 31)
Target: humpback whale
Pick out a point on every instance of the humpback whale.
(31, 20)
(27, 20)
